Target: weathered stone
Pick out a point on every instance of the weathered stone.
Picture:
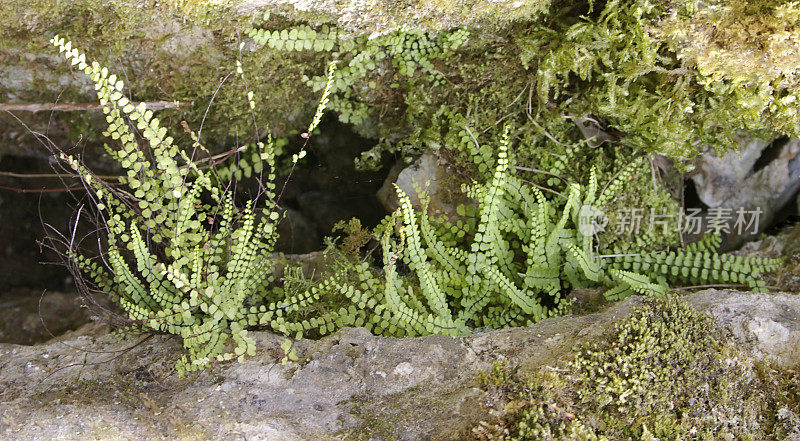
(767, 324)
(741, 195)
(428, 172)
(785, 243)
(376, 17)
(718, 178)
(28, 317)
(351, 385)
(182, 51)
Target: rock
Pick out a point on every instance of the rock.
(592, 131)
(380, 16)
(350, 384)
(28, 317)
(165, 52)
(387, 195)
(730, 185)
(768, 325)
(429, 169)
(785, 243)
(718, 178)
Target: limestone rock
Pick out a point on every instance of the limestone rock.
(428, 170)
(376, 17)
(28, 317)
(350, 384)
(731, 184)
(767, 324)
(718, 178)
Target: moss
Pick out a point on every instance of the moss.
(370, 426)
(174, 51)
(746, 51)
(397, 416)
(665, 372)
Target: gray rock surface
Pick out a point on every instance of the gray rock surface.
(768, 325)
(351, 385)
(731, 183)
(717, 178)
(784, 243)
(182, 46)
(428, 170)
(24, 312)
(376, 17)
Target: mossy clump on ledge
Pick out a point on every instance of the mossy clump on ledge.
(666, 372)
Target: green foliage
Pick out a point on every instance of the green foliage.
(745, 52)
(665, 372)
(298, 39)
(549, 158)
(510, 259)
(540, 422)
(614, 64)
(179, 257)
(699, 264)
(406, 51)
(355, 236)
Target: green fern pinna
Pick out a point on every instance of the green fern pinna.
(180, 257)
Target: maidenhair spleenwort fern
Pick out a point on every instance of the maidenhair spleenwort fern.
(406, 51)
(511, 261)
(179, 257)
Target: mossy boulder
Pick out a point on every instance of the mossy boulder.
(665, 372)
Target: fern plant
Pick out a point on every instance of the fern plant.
(179, 256)
(407, 51)
(510, 260)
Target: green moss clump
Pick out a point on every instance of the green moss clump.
(664, 373)
(182, 50)
(608, 63)
(743, 51)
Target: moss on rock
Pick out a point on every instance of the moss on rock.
(666, 372)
